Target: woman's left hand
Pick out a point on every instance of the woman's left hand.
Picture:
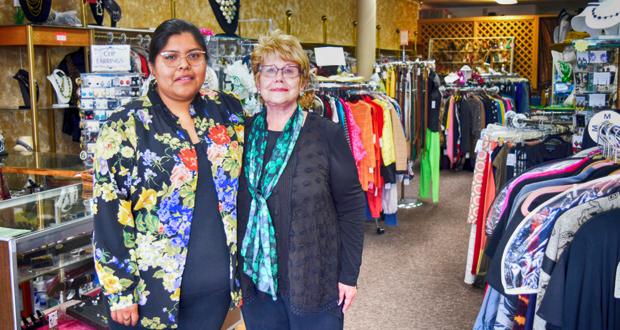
(346, 293)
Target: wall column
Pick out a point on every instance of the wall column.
(366, 36)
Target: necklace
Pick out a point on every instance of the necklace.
(35, 6)
(228, 9)
(612, 15)
(62, 85)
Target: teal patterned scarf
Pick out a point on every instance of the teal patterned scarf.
(260, 260)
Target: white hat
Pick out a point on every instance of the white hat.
(603, 16)
(451, 78)
(467, 71)
(578, 22)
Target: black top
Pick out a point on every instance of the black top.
(207, 268)
(317, 208)
(580, 294)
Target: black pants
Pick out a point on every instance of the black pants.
(263, 313)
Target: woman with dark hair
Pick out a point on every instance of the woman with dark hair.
(166, 180)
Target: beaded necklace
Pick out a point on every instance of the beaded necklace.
(35, 6)
(228, 9)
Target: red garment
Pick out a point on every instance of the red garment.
(375, 195)
(144, 67)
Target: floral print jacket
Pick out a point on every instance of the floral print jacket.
(146, 171)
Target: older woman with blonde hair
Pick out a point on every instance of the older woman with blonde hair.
(301, 206)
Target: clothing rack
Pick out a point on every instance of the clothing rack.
(347, 90)
(141, 37)
(519, 120)
(464, 89)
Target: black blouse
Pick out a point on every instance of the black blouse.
(318, 208)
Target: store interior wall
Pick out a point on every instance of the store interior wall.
(526, 9)
(306, 24)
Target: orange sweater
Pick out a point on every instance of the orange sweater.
(363, 118)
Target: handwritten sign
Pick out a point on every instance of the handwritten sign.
(106, 58)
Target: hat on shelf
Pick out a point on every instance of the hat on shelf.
(23, 144)
(578, 23)
(451, 78)
(62, 86)
(36, 11)
(604, 16)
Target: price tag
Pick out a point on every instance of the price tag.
(327, 56)
(110, 58)
(617, 286)
(433, 105)
(52, 320)
(478, 146)
(511, 160)
(61, 37)
(404, 38)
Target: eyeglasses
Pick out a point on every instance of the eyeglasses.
(173, 59)
(271, 71)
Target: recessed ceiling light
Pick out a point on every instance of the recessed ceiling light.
(506, 2)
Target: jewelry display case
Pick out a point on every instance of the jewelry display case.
(45, 251)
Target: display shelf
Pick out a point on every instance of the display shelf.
(43, 35)
(31, 36)
(52, 107)
(42, 163)
(58, 223)
(448, 51)
(64, 261)
(471, 51)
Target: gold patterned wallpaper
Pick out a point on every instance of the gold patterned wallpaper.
(306, 23)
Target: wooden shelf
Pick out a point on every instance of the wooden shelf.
(14, 108)
(470, 51)
(42, 35)
(43, 163)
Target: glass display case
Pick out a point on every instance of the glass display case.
(45, 250)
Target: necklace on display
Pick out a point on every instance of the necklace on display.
(62, 86)
(228, 9)
(35, 6)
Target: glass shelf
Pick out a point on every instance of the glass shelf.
(52, 107)
(45, 209)
(63, 261)
(45, 163)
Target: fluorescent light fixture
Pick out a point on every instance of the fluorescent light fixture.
(506, 2)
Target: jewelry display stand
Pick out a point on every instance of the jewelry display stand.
(62, 85)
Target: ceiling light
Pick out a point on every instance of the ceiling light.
(506, 2)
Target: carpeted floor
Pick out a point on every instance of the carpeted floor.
(412, 276)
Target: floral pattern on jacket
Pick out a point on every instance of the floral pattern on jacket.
(146, 171)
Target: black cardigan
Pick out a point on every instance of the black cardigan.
(318, 208)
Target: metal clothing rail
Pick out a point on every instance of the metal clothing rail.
(466, 89)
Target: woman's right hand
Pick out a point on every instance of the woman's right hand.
(127, 316)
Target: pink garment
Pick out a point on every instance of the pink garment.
(355, 132)
(495, 213)
(508, 104)
(70, 325)
(450, 133)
